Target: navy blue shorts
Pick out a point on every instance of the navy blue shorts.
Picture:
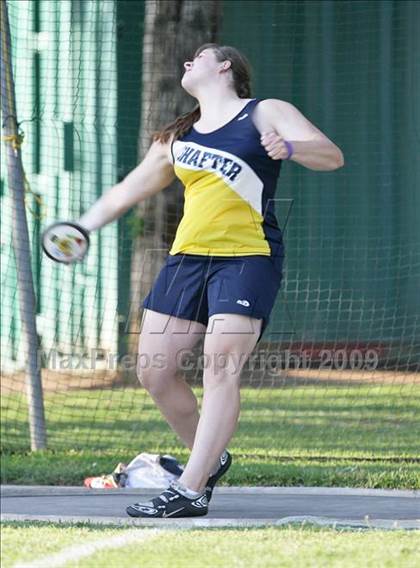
(195, 287)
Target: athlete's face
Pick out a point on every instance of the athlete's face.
(203, 69)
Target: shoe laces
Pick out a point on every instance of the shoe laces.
(165, 497)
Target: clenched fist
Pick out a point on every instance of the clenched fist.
(276, 147)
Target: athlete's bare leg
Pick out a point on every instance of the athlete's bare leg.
(229, 341)
(164, 338)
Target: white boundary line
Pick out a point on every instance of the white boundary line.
(74, 553)
(187, 523)
(41, 490)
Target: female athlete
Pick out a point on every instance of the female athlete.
(223, 271)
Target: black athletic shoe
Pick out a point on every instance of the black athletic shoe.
(225, 463)
(170, 503)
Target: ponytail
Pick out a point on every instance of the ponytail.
(178, 127)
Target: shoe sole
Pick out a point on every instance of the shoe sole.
(134, 513)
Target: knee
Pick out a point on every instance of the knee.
(222, 368)
(216, 377)
(154, 380)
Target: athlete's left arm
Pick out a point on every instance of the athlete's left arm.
(312, 148)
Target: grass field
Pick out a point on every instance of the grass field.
(288, 547)
(358, 436)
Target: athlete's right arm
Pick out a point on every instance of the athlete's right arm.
(154, 173)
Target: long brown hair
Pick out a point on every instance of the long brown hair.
(241, 75)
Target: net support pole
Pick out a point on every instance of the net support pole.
(20, 237)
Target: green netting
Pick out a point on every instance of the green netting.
(346, 322)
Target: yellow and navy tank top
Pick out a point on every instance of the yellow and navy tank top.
(230, 182)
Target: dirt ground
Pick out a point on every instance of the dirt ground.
(103, 379)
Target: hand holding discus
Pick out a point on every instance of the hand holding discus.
(66, 242)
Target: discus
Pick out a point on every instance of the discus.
(65, 242)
